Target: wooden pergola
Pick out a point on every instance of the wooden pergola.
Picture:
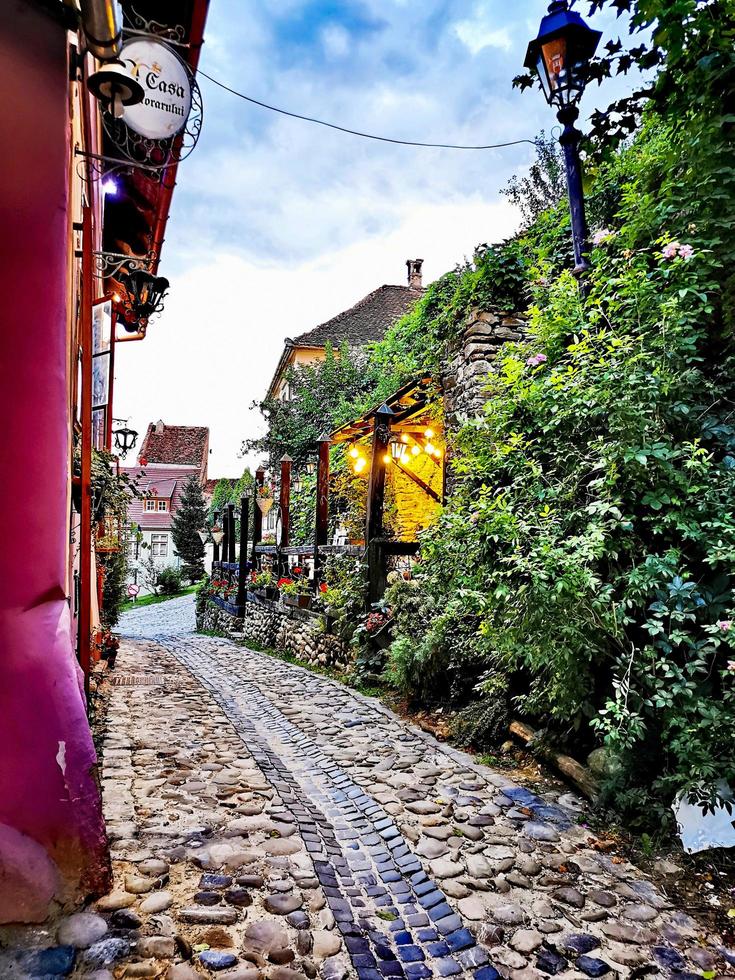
(397, 422)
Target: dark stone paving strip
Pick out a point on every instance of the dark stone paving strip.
(361, 859)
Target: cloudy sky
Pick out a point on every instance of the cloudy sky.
(277, 224)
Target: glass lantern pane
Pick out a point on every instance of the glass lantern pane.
(554, 54)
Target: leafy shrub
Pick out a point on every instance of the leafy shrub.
(169, 581)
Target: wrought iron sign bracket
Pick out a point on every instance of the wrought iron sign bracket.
(108, 264)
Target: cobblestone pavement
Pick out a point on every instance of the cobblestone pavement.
(269, 823)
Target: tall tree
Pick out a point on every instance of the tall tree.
(188, 520)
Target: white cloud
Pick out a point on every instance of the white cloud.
(336, 41)
(213, 350)
(278, 224)
(477, 35)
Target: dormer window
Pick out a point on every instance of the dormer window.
(155, 505)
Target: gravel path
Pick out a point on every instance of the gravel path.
(270, 823)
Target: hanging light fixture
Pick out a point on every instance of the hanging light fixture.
(115, 87)
(297, 483)
(310, 467)
(125, 439)
(398, 449)
(217, 535)
(204, 535)
(360, 464)
(146, 294)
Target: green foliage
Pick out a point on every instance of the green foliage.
(582, 571)
(114, 591)
(188, 520)
(586, 559)
(544, 186)
(169, 581)
(322, 397)
(111, 493)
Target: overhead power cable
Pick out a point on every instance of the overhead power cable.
(355, 132)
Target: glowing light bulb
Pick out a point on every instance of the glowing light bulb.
(354, 452)
(360, 464)
(438, 453)
(430, 450)
(109, 186)
(387, 458)
(429, 433)
(415, 450)
(404, 439)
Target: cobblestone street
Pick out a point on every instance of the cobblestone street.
(268, 822)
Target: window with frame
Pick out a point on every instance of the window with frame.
(153, 504)
(159, 545)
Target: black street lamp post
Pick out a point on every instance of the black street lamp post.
(560, 56)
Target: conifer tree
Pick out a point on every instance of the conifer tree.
(188, 520)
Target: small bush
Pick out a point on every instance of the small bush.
(169, 581)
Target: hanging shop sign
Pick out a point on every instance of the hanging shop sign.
(165, 108)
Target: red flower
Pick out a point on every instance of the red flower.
(323, 587)
(297, 571)
(284, 581)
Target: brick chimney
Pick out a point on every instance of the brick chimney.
(414, 273)
(159, 427)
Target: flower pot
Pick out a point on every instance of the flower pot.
(264, 504)
(304, 601)
(271, 592)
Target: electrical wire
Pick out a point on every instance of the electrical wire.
(355, 132)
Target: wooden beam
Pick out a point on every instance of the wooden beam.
(231, 537)
(376, 486)
(418, 481)
(215, 547)
(285, 500)
(257, 516)
(321, 528)
(242, 571)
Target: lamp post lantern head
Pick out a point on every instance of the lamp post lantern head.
(204, 535)
(561, 53)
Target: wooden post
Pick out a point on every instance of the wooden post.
(231, 538)
(321, 528)
(242, 570)
(285, 500)
(375, 499)
(376, 486)
(257, 516)
(215, 549)
(85, 528)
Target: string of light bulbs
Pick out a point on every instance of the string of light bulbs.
(356, 132)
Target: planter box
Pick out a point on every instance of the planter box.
(229, 607)
(298, 601)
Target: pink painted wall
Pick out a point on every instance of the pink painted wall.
(51, 832)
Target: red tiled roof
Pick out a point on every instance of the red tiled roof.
(177, 445)
(166, 484)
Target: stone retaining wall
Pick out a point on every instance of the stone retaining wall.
(296, 631)
(465, 373)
